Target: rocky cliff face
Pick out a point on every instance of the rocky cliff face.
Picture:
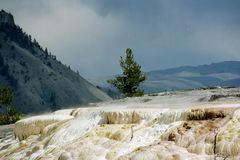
(40, 82)
(6, 18)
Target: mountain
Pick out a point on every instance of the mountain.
(40, 82)
(225, 73)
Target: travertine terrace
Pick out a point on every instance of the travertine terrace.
(197, 124)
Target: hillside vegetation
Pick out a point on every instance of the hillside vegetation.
(40, 82)
(225, 73)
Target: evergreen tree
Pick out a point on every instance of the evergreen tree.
(132, 76)
(46, 51)
(6, 96)
(11, 114)
(1, 60)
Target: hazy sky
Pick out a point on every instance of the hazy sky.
(91, 35)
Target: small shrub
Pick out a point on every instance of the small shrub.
(49, 64)
(10, 114)
(10, 117)
(5, 38)
(215, 97)
(98, 87)
(13, 56)
(218, 96)
(153, 94)
(12, 47)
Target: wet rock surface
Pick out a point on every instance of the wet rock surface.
(173, 126)
(6, 136)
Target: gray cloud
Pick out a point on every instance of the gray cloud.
(90, 35)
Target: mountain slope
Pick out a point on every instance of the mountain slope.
(39, 80)
(225, 73)
(221, 67)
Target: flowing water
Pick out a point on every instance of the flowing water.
(131, 129)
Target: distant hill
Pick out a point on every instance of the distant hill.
(225, 73)
(39, 80)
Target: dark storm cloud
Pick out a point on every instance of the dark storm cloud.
(163, 33)
(197, 31)
(160, 9)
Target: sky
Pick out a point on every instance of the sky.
(91, 35)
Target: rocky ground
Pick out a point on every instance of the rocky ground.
(196, 124)
(6, 136)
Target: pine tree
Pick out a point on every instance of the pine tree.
(11, 115)
(6, 96)
(132, 76)
(46, 51)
